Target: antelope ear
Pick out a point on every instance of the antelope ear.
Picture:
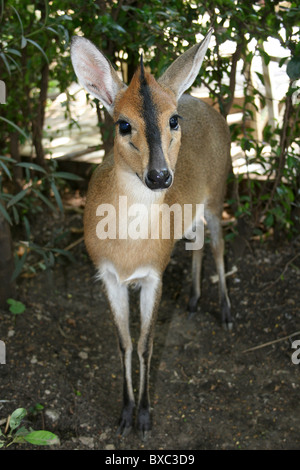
(95, 72)
(183, 72)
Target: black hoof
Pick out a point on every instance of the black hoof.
(227, 320)
(144, 435)
(227, 325)
(126, 420)
(144, 424)
(123, 430)
(192, 306)
(191, 315)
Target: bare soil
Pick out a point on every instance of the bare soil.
(206, 391)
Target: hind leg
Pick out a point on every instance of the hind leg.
(217, 245)
(196, 281)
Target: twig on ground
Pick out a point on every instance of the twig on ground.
(269, 343)
(269, 284)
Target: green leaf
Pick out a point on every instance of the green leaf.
(46, 12)
(31, 166)
(265, 56)
(16, 215)
(27, 226)
(16, 307)
(20, 21)
(38, 407)
(5, 214)
(2, 55)
(23, 42)
(39, 48)
(5, 169)
(282, 61)
(269, 220)
(17, 197)
(45, 200)
(65, 175)
(42, 438)
(14, 51)
(16, 417)
(57, 196)
(19, 266)
(7, 159)
(14, 62)
(22, 431)
(293, 68)
(52, 30)
(119, 28)
(261, 77)
(64, 253)
(15, 126)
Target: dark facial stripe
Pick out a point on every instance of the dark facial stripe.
(149, 114)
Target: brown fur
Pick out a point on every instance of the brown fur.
(204, 152)
(195, 157)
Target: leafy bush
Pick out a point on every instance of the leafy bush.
(17, 434)
(40, 186)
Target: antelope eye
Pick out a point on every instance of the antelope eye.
(125, 127)
(174, 122)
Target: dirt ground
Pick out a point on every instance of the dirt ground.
(206, 391)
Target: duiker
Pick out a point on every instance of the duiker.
(169, 149)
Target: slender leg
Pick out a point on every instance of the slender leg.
(149, 300)
(119, 302)
(217, 245)
(196, 281)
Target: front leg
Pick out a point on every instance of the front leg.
(119, 302)
(149, 300)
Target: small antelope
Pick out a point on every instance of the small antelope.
(158, 158)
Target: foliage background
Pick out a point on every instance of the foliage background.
(35, 66)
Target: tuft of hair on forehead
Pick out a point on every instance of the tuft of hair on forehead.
(142, 71)
(146, 79)
(144, 95)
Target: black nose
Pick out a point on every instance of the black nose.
(158, 179)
